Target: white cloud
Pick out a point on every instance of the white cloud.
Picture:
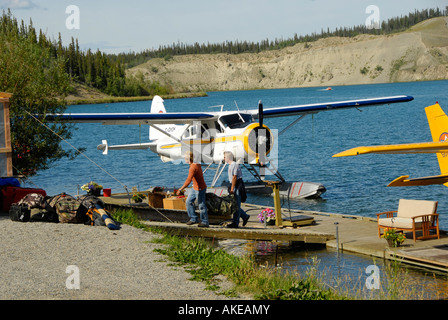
(19, 4)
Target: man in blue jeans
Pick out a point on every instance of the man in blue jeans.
(198, 191)
(235, 178)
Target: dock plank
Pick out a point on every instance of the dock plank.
(246, 233)
(347, 232)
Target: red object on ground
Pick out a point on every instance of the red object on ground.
(107, 192)
(13, 195)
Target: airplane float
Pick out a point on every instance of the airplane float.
(438, 124)
(210, 134)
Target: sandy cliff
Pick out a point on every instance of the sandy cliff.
(421, 53)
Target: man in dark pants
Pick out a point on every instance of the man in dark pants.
(236, 180)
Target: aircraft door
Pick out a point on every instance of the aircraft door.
(198, 138)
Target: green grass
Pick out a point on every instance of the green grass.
(204, 263)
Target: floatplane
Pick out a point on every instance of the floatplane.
(210, 134)
(438, 125)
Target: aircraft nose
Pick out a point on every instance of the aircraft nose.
(259, 141)
(262, 139)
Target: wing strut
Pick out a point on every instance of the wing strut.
(292, 124)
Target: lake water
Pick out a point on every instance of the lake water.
(344, 271)
(355, 185)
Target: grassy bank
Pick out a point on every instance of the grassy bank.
(205, 262)
(85, 100)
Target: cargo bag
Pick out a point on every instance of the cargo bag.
(94, 213)
(40, 210)
(67, 208)
(33, 200)
(88, 201)
(98, 216)
(220, 206)
(19, 213)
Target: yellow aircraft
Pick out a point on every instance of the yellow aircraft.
(438, 124)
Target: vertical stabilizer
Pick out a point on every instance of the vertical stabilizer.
(438, 124)
(157, 106)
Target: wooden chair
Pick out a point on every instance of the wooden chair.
(412, 216)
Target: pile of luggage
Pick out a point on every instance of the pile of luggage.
(36, 206)
(220, 206)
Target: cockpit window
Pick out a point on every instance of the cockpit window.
(193, 130)
(234, 120)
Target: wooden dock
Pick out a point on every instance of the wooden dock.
(347, 232)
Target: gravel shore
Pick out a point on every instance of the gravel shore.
(36, 259)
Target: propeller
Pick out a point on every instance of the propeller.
(260, 113)
(260, 141)
(261, 136)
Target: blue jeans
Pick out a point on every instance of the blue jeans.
(240, 213)
(200, 195)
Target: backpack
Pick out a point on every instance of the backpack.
(97, 216)
(220, 206)
(19, 213)
(93, 218)
(67, 208)
(88, 201)
(32, 207)
(39, 209)
(32, 201)
(94, 214)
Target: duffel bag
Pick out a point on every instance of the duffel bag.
(67, 208)
(19, 213)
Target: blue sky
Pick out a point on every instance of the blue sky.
(121, 26)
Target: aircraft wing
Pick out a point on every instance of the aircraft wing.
(424, 147)
(403, 181)
(133, 118)
(190, 117)
(318, 107)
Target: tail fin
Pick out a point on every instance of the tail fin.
(157, 106)
(438, 124)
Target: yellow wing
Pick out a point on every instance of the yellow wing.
(438, 124)
(422, 147)
(403, 181)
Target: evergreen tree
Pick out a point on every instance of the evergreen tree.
(37, 81)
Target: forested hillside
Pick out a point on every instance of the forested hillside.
(107, 72)
(393, 25)
(95, 69)
(419, 53)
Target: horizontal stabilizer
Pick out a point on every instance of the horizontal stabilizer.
(138, 146)
(403, 181)
(424, 147)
